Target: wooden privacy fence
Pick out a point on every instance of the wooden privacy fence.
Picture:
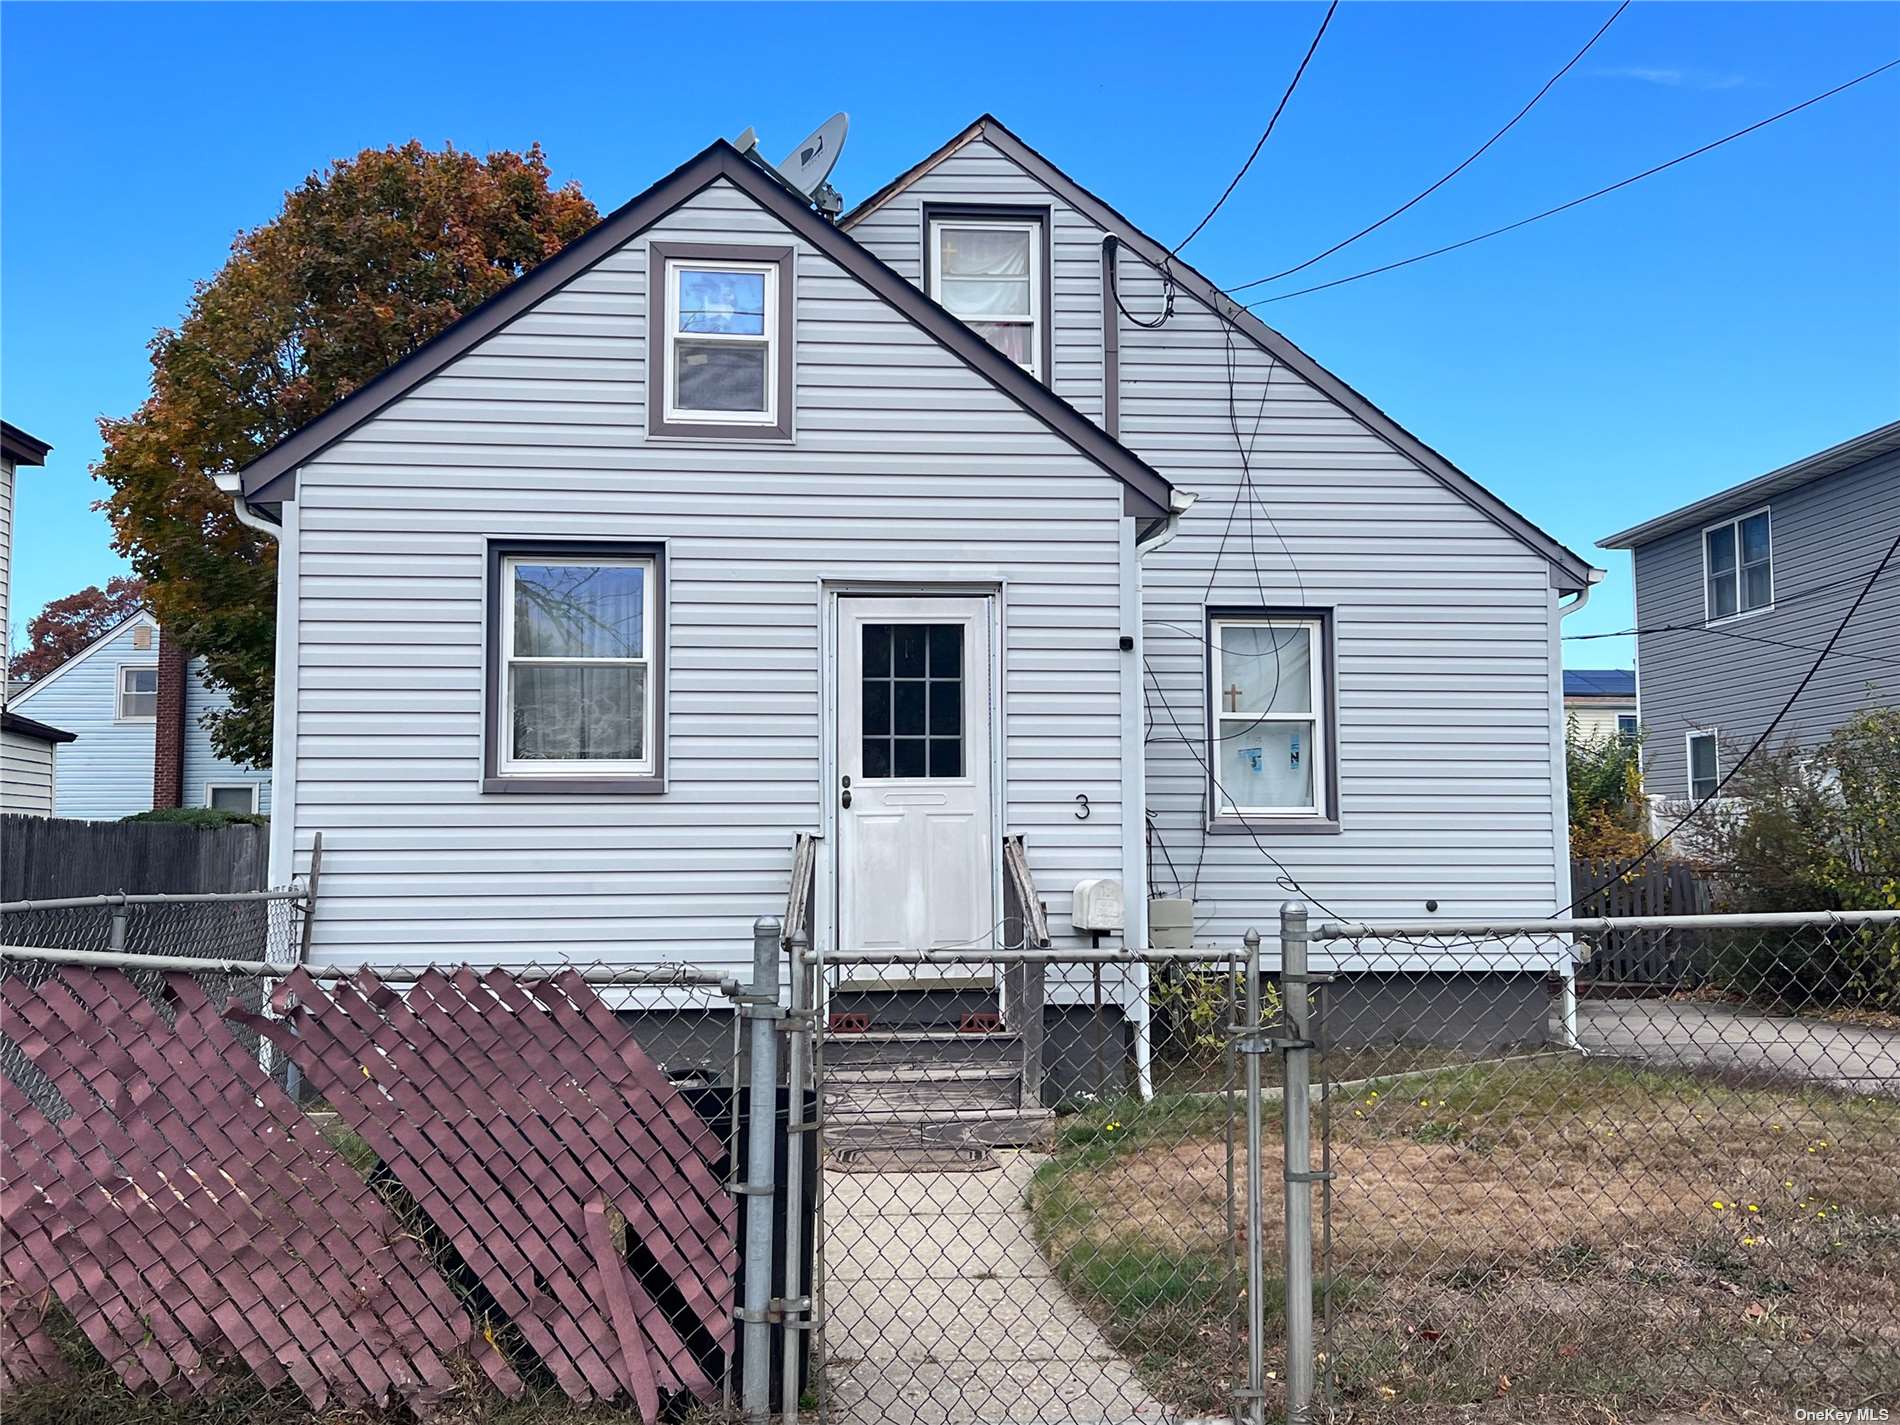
(514, 1187)
(1640, 959)
(51, 858)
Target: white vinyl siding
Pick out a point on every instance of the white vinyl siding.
(26, 775)
(107, 771)
(1448, 731)
(908, 467)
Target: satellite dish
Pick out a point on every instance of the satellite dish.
(807, 166)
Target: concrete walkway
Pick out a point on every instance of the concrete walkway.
(941, 1311)
(1690, 1034)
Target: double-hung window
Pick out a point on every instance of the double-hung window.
(577, 662)
(1738, 566)
(721, 341)
(1269, 735)
(1704, 773)
(138, 693)
(988, 270)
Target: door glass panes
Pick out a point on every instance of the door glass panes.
(912, 700)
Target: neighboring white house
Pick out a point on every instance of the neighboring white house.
(27, 746)
(1601, 702)
(109, 694)
(718, 527)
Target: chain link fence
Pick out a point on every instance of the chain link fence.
(1686, 1195)
(247, 926)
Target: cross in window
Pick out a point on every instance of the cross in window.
(1233, 697)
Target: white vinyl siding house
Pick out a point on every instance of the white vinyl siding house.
(904, 469)
(1446, 743)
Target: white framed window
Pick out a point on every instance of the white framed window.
(1626, 724)
(1705, 772)
(231, 796)
(988, 271)
(577, 665)
(1738, 571)
(138, 692)
(722, 342)
(1268, 744)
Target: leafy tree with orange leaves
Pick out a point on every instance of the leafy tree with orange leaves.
(368, 260)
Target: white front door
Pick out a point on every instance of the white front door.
(917, 858)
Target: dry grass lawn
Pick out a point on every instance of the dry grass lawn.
(1548, 1239)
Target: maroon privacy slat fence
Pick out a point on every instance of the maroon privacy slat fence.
(158, 1185)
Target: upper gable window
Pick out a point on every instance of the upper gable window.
(721, 341)
(1738, 566)
(988, 269)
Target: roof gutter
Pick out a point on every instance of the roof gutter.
(230, 483)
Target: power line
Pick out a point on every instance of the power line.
(1736, 634)
(1476, 154)
(1766, 732)
(1577, 202)
(1265, 135)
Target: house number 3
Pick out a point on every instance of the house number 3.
(1081, 806)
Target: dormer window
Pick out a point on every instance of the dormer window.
(721, 355)
(988, 267)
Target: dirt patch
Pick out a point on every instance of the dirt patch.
(1550, 1240)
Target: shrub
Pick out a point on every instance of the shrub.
(1812, 829)
(1607, 811)
(207, 817)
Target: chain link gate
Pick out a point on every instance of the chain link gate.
(1034, 1201)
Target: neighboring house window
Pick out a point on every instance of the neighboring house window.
(1626, 724)
(138, 694)
(231, 796)
(721, 341)
(1270, 741)
(1704, 774)
(987, 266)
(1738, 566)
(576, 650)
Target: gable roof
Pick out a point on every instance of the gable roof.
(271, 477)
(1599, 682)
(1574, 571)
(1882, 440)
(131, 620)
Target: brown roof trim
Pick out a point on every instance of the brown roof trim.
(1576, 571)
(19, 447)
(27, 727)
(271, 477)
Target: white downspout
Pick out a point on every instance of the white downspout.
(1135, 775)
(283, 774)
(1560, 782)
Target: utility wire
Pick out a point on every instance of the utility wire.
(1577, 202)
(1265, 135)
(1736, 634)
(1760, 741)
(1476, 154)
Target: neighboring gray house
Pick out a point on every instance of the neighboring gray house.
(138, 747)
(27, 746)
(718, 527)
(1737, 594)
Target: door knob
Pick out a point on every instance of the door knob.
(844, 798)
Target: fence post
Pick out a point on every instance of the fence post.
(1252, 1045)
(760, 1005)
(1296, 1103)
(800, 1306)
(115, 936)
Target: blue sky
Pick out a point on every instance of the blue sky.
(1709, 324)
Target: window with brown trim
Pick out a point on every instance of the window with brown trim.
(990, 266)
(576, 667)
(720, 341)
